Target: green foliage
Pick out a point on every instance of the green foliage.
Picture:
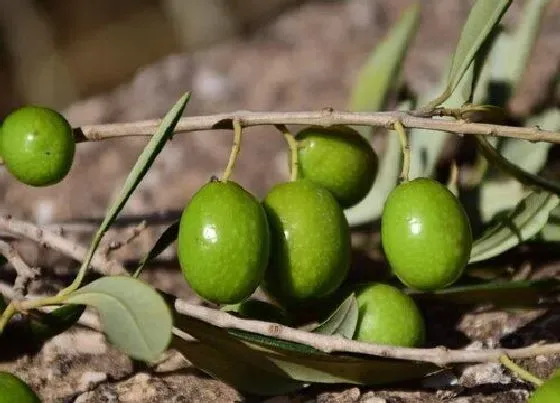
(134, 316)
(342, 321)
(520, 224)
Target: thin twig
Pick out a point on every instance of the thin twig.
(325, 117)
(439, 355)
(24, 273)
(54, 241)
(132, 234)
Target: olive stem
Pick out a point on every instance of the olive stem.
(293, 146)
(6, 315)
(520, 372)
(405, 151)
(453, 177)
(235, 148)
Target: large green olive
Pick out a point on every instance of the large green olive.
(310, 242)
(37, 145)
(426, 234)
(223, 242)
(548, 392)
(339, 159)
(14, 390)
(388, 316)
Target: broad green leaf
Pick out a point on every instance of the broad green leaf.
(483, 17)
(134, 316)
(342, 321)
(380, 73)
(234, 369)
(167, 238)
(144, 162)
(522, 223)
(300, 362)
(371, 207)
(503, 293)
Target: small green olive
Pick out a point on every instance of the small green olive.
(223, 242)
(339, 159)
(37, 145)
(426, 234)
(13, 389)
(310, 242)
(548, 392)
(388, 316)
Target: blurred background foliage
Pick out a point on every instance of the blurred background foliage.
(55, 52)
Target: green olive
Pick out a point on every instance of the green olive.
(310, 242)
(388, 316)
(426, 234)
(13, 389)
(37, 145)
(223, 242)
(548, 392)
(339, 159)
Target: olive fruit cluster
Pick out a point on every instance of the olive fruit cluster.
(37, 145)
(296, 245)
(296, 242)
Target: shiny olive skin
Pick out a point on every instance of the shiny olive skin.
(548, 392)
(388, 316)
(37, 145)
(310, 242)
(339, 159)
(223, 242)
(13, 389)
(426, 234)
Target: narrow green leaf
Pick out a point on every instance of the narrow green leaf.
(527, 178)
(526, 220)
(342, 321)
(303, 363)
(229, 368)
(144, 162)
(167, 238)
(371, 207)
(483, 17)
(134, 316)
(44, 326)
(380, 73)
(531, 157)
(523, 41)
(503, 293)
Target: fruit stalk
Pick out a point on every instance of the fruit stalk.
(292, 145)
(520, 372)
(235, 148)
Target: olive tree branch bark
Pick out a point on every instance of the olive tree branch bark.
(325, 117)
(54, 241)
(24, 273)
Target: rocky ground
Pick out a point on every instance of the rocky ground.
(306, 59)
